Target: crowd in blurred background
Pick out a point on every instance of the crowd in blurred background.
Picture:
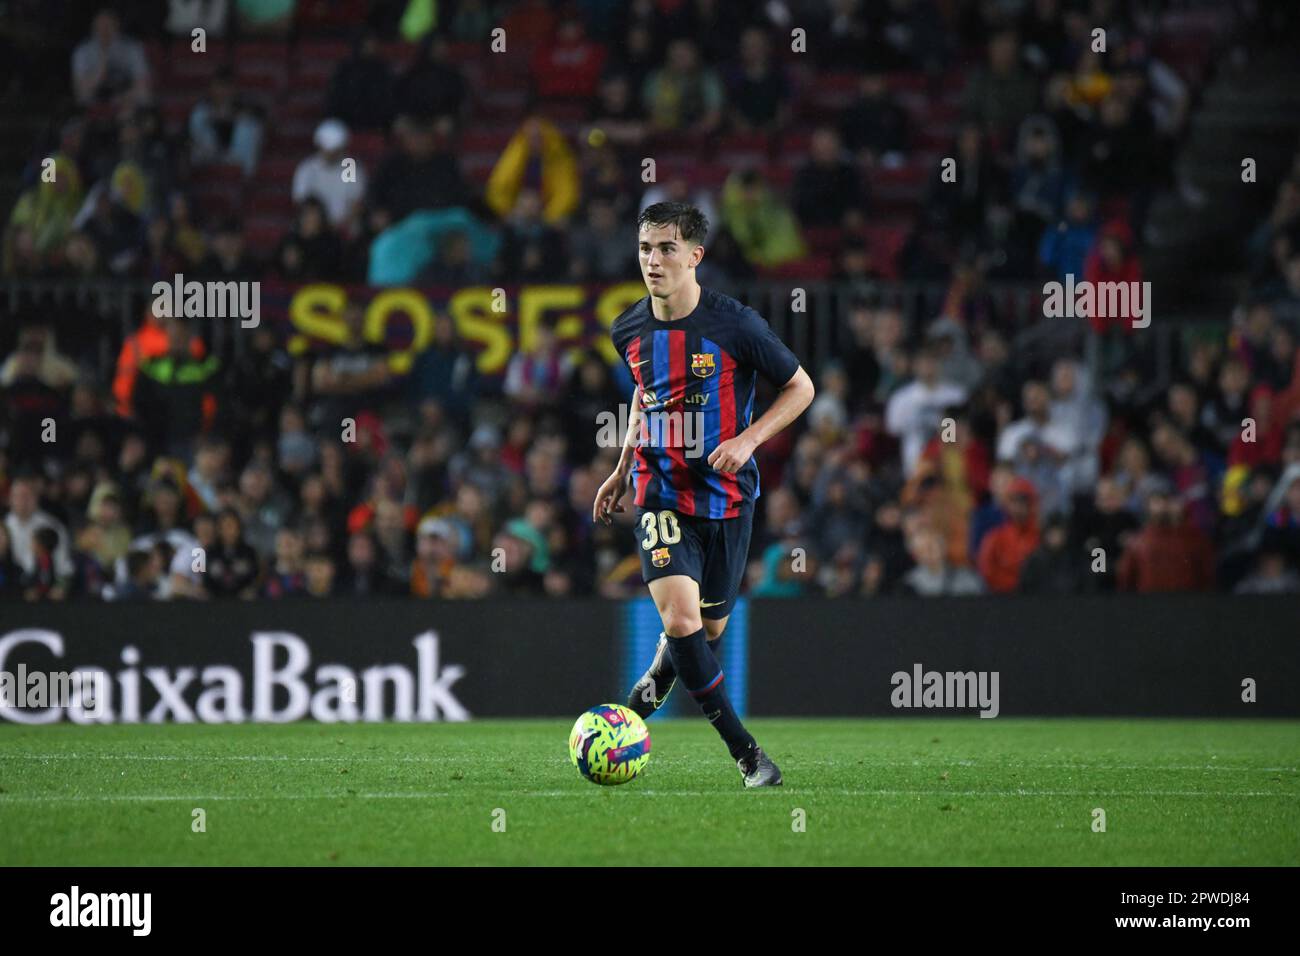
(933, 461)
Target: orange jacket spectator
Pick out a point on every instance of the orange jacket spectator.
(1005, 549)
(149, 341)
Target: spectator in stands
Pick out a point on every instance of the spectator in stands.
(361, 90)
(676, 187)
(1064, 248)
(224, 128)
(874, 127)
(532, 249)
(962, 205)
(829, 186)
(600, 251)
(933, 576)
(570, 65)
(187, 572)
(942, 491)
(757, 87)
(536, 377)
(186, 16)
(117, 232)
(537, 159)
(109, 68)
(1005, 549)
(320, 569)
(1080, 418)
(435, 547)
(1117, 154)
(1106, 524)
(362, 575)
(914, 412)
(1113, 259)
(432, 87)
(141, 579)
(1057, 567)
(50, 367)
(1282, 525)
(42, 219)
(263, 507)
(1003, 93)
(44, 582)
(227, 257)
(1167, 554)
(617, 115)
(764, 228)
(233, 566)
(311, 249)
(1038, 180)
(11, 573)
(683, 96)
(175, 394)
(323, 176)
(24, 519)
(951, 344)
(286, 578)
(113, 536)
(422, 173)
(1271, 576)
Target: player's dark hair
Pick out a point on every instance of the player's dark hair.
(692, 225)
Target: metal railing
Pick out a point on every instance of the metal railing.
(810, 316)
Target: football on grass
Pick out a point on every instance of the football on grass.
(609, 744)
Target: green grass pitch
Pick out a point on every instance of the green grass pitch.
(891, 791)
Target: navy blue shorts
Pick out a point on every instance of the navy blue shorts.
(712, 551)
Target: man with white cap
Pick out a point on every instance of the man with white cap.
(329, 176)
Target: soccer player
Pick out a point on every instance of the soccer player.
(689, 453)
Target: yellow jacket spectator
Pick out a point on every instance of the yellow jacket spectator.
(44, 213)
(537, 156)
(765, 229)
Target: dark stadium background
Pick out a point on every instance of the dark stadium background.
(821, 174)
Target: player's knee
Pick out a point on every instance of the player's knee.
(680, 621)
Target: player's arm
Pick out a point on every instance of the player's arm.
(795, 396)
(609, 496)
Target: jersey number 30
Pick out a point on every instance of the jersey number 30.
(661, 526)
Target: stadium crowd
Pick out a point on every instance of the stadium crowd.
(932, 462)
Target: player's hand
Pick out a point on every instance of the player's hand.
(609, 498)
(731, 455)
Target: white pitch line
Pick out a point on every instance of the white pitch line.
(208, 798)
(483, 758)
(435, 795)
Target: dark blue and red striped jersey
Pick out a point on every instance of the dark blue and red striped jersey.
(697, 375)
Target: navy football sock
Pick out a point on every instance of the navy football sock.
(667, 670)
(702, 678)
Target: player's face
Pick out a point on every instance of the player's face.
(667, 260)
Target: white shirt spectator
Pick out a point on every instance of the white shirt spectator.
(185, 16)
(1053, 435)
(321, 175)
(108, 62)
(914, 413)
(22, 547)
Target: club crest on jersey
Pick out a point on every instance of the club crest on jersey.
(660, 557)
(702, 364)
